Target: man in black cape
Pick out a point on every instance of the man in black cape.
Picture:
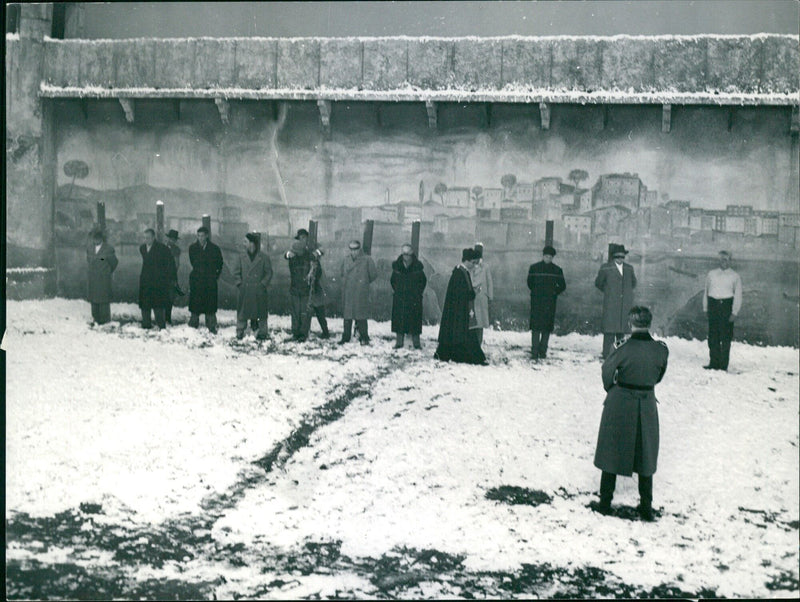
(456, 342)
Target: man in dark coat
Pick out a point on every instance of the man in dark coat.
(546, 282)
(102, 262)
(628, 437)
(617, 280)
(299, 258)
(408, 283)
(172, 245)
(456, 341)
(318, 297)
(206, 260)
(252, 273)
(158, 274)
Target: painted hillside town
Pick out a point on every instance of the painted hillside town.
(431, 300)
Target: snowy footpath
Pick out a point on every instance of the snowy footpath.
(179, 464)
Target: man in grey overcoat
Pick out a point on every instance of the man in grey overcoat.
(629, 435)
(252, 273)
(617, 280)
(102, 262)
(357, 272)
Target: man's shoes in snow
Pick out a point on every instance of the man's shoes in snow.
(646, 513)
(601, 508)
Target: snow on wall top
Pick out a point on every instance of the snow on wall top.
(719, 69)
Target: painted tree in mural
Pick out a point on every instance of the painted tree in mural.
(440, 189)
(508, 182)
(576, 176)
(421, 192)
(75, 169)
(477, 194)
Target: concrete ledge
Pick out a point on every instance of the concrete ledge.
(515, 67)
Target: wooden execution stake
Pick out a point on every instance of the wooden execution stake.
(369, 226)
(415, 225)
(207, 224)
(611, 246)
(160, 221)
(312, 234)
(548, 233)
(101, 216)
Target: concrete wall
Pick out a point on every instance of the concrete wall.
(743, 64)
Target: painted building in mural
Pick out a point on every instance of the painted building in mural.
(477, 139)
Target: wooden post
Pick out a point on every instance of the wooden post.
(312, 234)
(101, 215)
(415, 226)
(666, 118)
(548, 233)
(544, 113)
(611, 246)
(369, 226)
(160, 221)
(207, 224)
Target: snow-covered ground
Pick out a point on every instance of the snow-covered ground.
(151, 425)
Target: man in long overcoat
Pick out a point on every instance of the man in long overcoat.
(318, 296)
(252, 273)
(102, 262)
(546, 282)
(299, 258)
(158, 274)
(357, 272)
(628, 438)
(617, 280)
(206, 260)
(172, 245)
(457, 342)
(408, 283)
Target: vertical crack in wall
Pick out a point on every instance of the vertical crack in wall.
(273, 145)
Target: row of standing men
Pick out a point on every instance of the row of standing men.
(465, 312)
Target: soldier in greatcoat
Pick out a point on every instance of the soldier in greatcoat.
(252, 273)
(158, 274)
(628, 438)
(357, 272)
(546, 282)
(408, 283)
(102, 261)
(617, 280)
(206, 260)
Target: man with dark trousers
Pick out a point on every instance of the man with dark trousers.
(172, 245)
(617, 280)
(629, 436)
(102, 261)
(158, 272)
(722, 300)
(206, 260)
(299, 258)
(546, 282)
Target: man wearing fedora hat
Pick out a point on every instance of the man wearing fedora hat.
(174, 292)
(546, 282)
(299, 259)
(617, 280)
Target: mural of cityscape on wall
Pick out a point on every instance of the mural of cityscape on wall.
(263, 179)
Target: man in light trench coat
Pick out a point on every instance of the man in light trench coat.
(357, 272)
(252, 272)
(617, 280)
(629, 435)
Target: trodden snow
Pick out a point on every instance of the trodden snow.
(149, 424)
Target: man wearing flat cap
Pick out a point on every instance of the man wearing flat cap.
(206, 260)
(252, 273)
(617, 280)
(546, 282)
(357, 272)
(174, 292)
(299, 259)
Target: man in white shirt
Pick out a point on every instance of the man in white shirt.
(722, 300)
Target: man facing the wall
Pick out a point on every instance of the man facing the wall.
(206, 260)
(617, 280)
(722, 300)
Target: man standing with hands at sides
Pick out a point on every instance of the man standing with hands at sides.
(408, 283)
(722, 300)
(102, 262)
(158, 274)
(546, 282)
(172, 245)
(252, 273)
(617, 280)
(629, 436)
(357, 272)
(484, 292)
(206, 260)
